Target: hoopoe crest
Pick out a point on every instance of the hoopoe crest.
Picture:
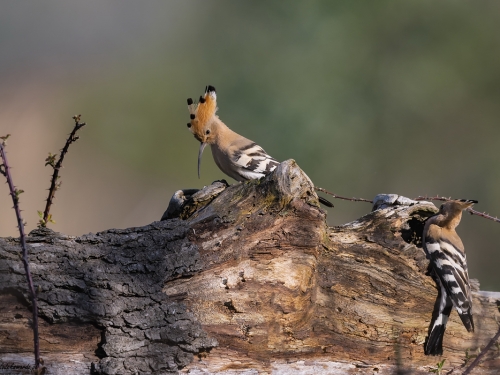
(202, 115)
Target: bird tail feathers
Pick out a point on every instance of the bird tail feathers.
(442, 311)
(434, 344)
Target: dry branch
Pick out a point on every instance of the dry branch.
(14, 193)
(343, 198)
(483, 353)
(55, 184)
(250, 280)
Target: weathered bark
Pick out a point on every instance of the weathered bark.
(251, 280)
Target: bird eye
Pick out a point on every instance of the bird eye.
(207, 132)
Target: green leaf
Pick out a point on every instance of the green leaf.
(439, 368)
(4, 139)
(51, 160)
(50, 220)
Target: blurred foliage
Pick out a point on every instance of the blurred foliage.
(368, 97)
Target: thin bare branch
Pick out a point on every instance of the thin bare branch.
(344, 198)
(483, 214)
(14, 192)
(54, 183)
(435, 198)
(483, 352)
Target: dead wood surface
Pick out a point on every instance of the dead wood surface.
(251, 280)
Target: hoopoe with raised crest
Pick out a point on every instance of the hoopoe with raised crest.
(235, 155)
(446, 252)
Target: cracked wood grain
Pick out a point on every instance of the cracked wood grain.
(251, 280)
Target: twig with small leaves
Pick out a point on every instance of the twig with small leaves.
(470, 210)
(344, 198)
(439, 369)
(15, 193)
(46, 216)
(483, 352)
(469, 357)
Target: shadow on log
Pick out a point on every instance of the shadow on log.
(247, 279)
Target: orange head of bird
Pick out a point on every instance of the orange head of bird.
(202, 119)
(451, 211)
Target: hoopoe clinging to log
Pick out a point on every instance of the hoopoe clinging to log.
(446, 252)
(235, 155)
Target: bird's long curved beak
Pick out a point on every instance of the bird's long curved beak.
(202, 147)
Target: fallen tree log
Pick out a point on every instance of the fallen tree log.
(242, 279)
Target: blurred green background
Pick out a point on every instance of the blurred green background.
(368, 97)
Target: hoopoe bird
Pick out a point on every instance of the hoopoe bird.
(235, 155)
(446, 252)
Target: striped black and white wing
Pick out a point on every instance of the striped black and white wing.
(450, 265)
(252, 162)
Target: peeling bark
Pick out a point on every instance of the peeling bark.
(250, 280)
